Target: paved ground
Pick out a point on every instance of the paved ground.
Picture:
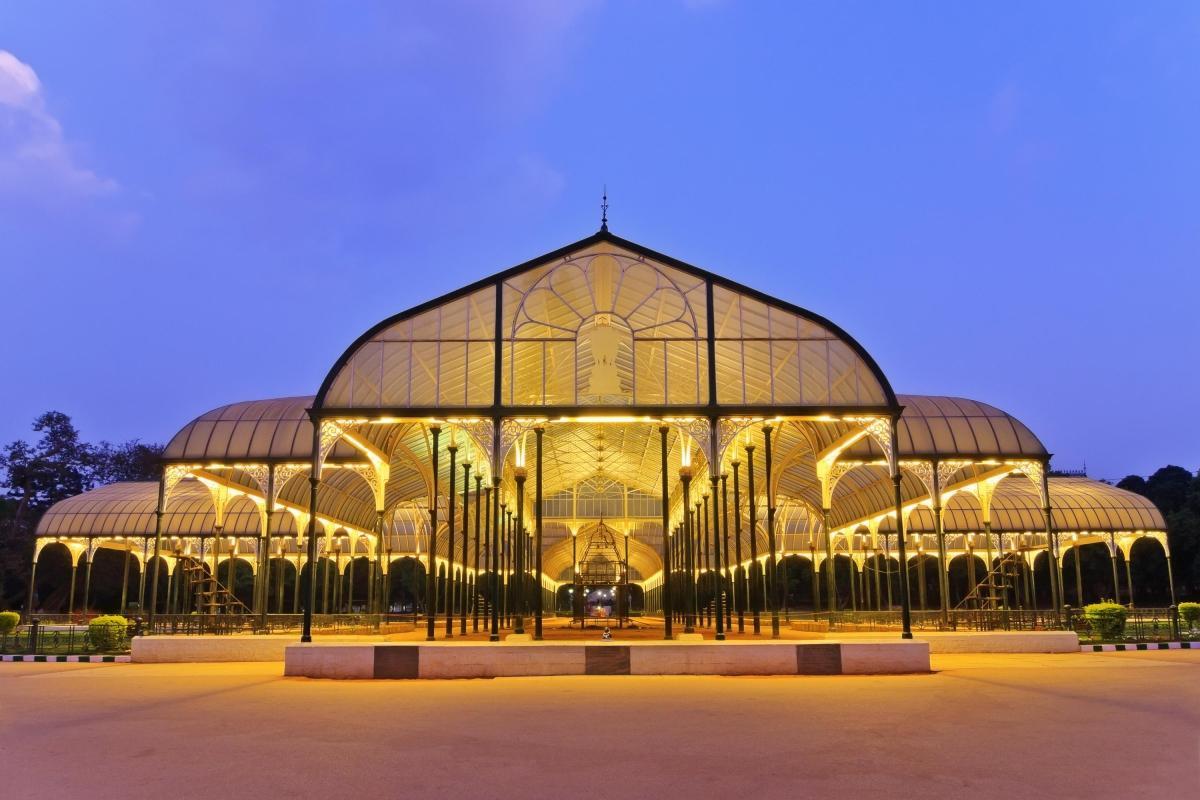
(1014, 726)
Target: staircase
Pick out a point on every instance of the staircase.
(989, 592)
(212, 597)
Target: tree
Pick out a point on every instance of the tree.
(57, 466)
(1176, 493)
(131, 461)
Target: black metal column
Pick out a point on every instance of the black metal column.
(739, 573)
(539, 609)
(716, 573)
(450, 509)
(905, 603)
(475, 595)
(728, 578)
(667, 605)
(753, 583)
(772, 565)
(519, 554)
(310, 584)
(706, 530)
(431, 575)
(689, 622)
(463, 585)
(494, 525)
(158, 519)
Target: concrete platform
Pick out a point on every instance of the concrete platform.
(471, 660)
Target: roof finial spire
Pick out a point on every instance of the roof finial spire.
(604, 210)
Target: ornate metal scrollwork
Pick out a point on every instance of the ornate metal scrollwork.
(371, 475)
(922, 469)
(481, 432)
(946, 470)
(329, 435)
(1036, 473)
(728, 429)
(261, 475)
(830, 477)
(283, 474)
(880, 431)
(512, 429)
(172, 475)
(697, 429)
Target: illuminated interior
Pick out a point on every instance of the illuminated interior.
(592, 352)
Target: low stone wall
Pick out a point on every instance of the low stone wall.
(176, 649)
(468, 660)
(448, 659)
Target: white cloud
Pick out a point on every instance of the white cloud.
(36, 161)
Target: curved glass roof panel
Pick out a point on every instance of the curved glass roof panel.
(934, 426)
(255, 430)
(1077, 505)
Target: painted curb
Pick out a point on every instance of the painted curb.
(69, 659)
(1124, 648)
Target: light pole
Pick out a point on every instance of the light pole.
(685, 476)
(431, 575)
(667, 609)
(519, 550)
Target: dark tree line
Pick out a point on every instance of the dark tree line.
(1176, 492)
(36, 475)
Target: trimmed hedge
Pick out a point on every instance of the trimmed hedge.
(8, 622)
(1189, 614)
(108, 632)
(1106, 620)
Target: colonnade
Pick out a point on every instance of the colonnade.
(865, 579)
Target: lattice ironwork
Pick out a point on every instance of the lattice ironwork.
(602, 562)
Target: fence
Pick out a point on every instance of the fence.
(221, 624)
(953, 620)
(40, 638)
(1141, 625)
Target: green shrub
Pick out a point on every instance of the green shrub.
(9, 620)
(1189, 613)
(1106, 620)
(107, 632)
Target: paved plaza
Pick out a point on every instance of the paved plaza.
(1078, 725)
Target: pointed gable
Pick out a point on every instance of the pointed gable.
(602, 323)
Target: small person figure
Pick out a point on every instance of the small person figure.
(607, 635)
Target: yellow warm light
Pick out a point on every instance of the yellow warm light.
(605, 418)
(520, 450)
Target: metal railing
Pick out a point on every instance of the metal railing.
(223, 624)
(1141, 625)
(954, 620)
(41, 638)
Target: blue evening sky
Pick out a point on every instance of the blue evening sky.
(207, 202)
